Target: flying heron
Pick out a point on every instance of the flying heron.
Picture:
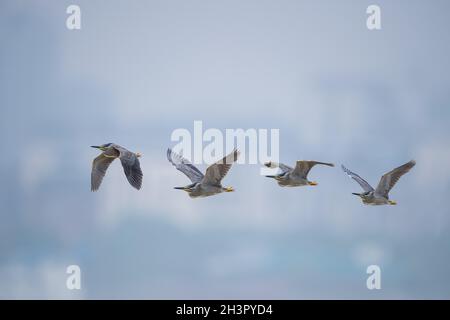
(203, 185)
(129, 160)
(295, 177)
(379, 196)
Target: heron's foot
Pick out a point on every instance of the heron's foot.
(228, 189)
(312, 183)
(138, 154)
(393, 203)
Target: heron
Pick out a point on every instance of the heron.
(110, 152)
(295, 177)
(203, 185)
(380, 195)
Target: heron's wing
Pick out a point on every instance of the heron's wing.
(184, 166)
(100, 165)
(283, 167)
(303, 167)
(215, 172)
(389, 179)
(131, 167)
(363, 183)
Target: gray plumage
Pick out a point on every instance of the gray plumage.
(380, 195)
(203, 185)
(297, 176)
(129, 160)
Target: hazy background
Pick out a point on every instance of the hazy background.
(137, 70)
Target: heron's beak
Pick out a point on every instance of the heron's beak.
(182, 188)
(274, 177)
(228, 189)
(356, 194)
(392, 202)
(312, 183)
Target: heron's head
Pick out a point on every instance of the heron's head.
(228, 189)
(358, 194)
(102, 147)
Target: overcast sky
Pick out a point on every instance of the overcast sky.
(137, 70)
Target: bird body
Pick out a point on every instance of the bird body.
(295, 177)
(288, 179)
(203, 185)
(380, 195)
(129, 160)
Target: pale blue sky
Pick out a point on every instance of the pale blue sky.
(137, 70)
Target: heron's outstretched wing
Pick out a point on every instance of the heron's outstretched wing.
(215, 172)
(131, 167)
(100, 165)
(389, 179)
(302, 167)
(363, 183)
(184, 166)
(283, 167)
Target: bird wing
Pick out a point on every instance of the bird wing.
(131, 167)
(283, 167)
(303, 167)
(184, 166)
(215, 172)
(389, 179)
(100, 165)
(363, 183)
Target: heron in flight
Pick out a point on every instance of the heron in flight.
(203, 185)
(379, 196)
(295, 177)
(129, 160)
